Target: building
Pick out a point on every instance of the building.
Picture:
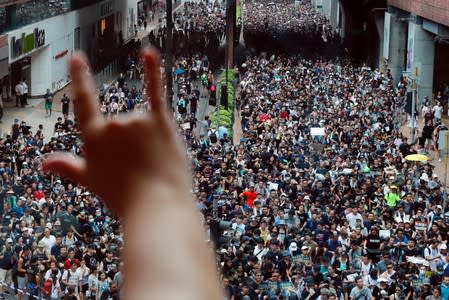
(37, 39)
(416, 40)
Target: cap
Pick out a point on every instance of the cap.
(41, 244)
(324, 291)
(435, 175)
(443, 247)
(439, 206)
(293, 246)
(304, 248)
(382, 279)
(9, 240)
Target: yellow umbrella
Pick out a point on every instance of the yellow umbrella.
(417, 157)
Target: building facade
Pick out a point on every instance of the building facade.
(416, 40)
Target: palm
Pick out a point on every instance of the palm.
(118, 152)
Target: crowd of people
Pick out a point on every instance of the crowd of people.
(283, 16)
(317, 201)
(291, 26)
(198, 28)
(57, 239)
(321, 202)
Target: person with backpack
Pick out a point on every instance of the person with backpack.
(6, 264)
(71, 278)
(51, 288)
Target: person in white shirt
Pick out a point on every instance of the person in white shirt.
(93, 283)
(437, 112)
(19, 94)
(432, 255)
(72, 277)
(48, 240)
(25, 93)
(353, 216)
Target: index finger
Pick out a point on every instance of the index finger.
(86, 106)
(152, 61)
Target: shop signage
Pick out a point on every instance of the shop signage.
(106, 8)
(27, 42)
(61, 54)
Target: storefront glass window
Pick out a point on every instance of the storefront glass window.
(17, 15)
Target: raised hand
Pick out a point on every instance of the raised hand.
(139, 170)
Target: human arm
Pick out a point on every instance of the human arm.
(145, 190)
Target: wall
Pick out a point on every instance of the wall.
(435, 10)
(127, 16)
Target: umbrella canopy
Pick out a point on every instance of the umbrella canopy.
(417, 157)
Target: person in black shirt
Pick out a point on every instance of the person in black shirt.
(91, 258)
(121, 80)
(6, 263)
(48, 103)
(65, 105)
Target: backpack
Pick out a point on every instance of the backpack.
(213, 137)
(63, 285)
(47, 288)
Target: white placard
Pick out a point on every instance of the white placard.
(317, 131)
(273, 186)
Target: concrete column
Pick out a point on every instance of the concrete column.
(420, 57)
(395, 36)
(380, 20)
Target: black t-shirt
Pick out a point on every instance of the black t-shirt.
(91, 261)
(7, 261)
(48, 98)
(121, 82)
(65, 102)
(110, 267)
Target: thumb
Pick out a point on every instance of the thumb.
(66, 165)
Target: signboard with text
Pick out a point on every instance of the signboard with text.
(25, 43)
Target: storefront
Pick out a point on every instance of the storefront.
(23, 45)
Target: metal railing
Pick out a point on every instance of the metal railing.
(108, 73)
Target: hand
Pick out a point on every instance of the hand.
(119, 154)
(139, 169)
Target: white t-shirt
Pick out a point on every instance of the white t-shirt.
(48, 242)
(352, 219)
(74, 279)
(93, 282)
(437, 111)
